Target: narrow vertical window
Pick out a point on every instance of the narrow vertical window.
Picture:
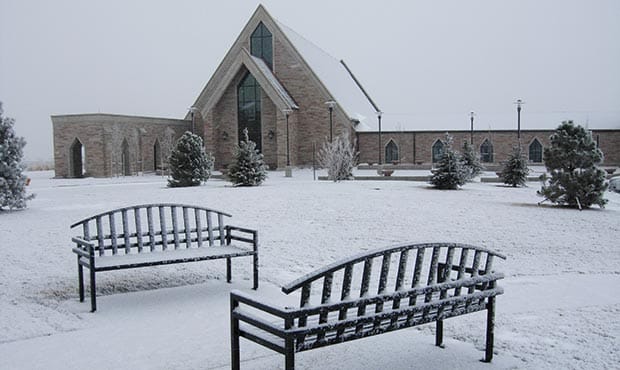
(536, 151)
(261, 45)
(486, 151)
(437, 151)
(249, 109)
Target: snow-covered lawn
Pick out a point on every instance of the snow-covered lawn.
(561, 307)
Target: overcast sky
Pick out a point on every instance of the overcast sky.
(414, 57)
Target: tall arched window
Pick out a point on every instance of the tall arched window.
(126, 166)
(261, 44)
(438, 148)
(391, 152)
(486, 151)
(156, 156)
(248, 108)
(536, 151)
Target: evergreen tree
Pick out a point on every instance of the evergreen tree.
(515, 171)
(189, 164)
(12, 180)
(451, 172)
(571, 161)
(471, 161)
(248, 168)
(338, 157)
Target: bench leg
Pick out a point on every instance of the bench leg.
(488, 355)
(255, 262)
(234, 340)
(228, 270)
(439, 334)
(289, 361)
(80, 280)
(93, 293)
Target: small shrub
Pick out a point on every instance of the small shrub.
(338, 158)
(515, 171)
(248, 167)
(189, 164)
(451, 172)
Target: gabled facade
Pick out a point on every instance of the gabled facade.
(271, 72)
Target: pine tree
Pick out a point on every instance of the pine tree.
(338, 157)
(471, 161)
(451, 172)
(571, 161)
(12, 180)
(189, 164)
(515, 171)
(248, 168)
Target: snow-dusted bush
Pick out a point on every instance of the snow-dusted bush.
(189, 164)
(515, 170)
(338, 158)
(248, 167)
(571, 161)
(12, 180)
(471, 161)
(450, 172)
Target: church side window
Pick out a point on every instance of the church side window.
(437, 151)
(536, 151)
(391, 152)
(486, 151)
(261, 45)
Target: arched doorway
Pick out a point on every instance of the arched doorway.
(76, 159)
(126, 167)
(156, 156)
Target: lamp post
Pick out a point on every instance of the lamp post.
(519, 102)
(192, 110)
(288, 171)
(471, 130)
(379, 114)
(330, 105)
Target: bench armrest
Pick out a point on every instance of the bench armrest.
(237, 296)
(84, 248)
(232, 233)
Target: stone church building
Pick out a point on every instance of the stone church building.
(291, 96)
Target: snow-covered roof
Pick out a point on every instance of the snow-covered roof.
(273, 81)
(494, 121)
(336, 78)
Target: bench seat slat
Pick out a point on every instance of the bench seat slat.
(167, 256)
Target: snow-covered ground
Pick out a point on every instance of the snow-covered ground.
(561, 307)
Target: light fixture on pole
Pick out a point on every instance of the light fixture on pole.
(379, 114)
(471, 132)
(287, 112)
(192, 111)
(519, 102)
(330, 105)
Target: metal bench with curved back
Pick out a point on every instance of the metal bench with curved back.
(372, 293)
(158, 234)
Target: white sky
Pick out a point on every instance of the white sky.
(414, 57)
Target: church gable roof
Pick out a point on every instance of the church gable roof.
(332, 75)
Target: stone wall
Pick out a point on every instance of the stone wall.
(102, 136)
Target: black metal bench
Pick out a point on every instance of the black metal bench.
(372, 293)
(154, 234)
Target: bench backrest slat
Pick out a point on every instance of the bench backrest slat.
(149, 217)
(175, 226)
(100, 235)
(188, 228)
(198, 226)
(162, 228)
(113, 236)
(385, 269)
(210, 227)
(126, 231)
(138, 223)
(220, 222)
(417, 272)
